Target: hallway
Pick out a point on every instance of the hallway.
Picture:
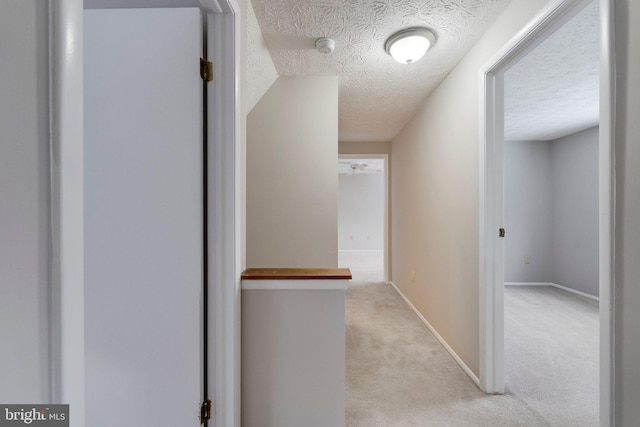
(398, 374)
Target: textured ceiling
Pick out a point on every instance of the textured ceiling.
(554, 90)
(377, 95)
(261, 73)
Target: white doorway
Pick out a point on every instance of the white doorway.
(492, 221)
(551, 219)
(221, 35)
(362, 216)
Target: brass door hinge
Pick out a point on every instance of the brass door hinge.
(205, 411)
(502, 232)
(206, 70)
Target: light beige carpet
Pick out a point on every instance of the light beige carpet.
(552, 353)
(398, 374)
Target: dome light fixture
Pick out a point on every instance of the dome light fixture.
(409, 45)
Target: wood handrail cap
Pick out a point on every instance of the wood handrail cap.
(296, 274)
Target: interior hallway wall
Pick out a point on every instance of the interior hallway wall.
(24, 205)
(361, 147)
(435, 194)
(292, 179)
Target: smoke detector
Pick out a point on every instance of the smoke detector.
(325, 45)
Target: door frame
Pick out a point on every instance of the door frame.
(385, 231)
(491, 260)
(225, 184)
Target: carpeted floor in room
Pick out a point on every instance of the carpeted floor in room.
(552, 353)
(398, 374)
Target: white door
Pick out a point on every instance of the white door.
(143, 217)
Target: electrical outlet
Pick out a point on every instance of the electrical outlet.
(527, 259)
(413, 277)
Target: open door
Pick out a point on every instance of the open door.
(143, 217)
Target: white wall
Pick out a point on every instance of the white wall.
(363, 147)
(292, 179)
(528, 211)
(24, 208)
(627, 229)
(293, 364)
(575, 241)
(361, 211)
(435, 170)
(551, 211)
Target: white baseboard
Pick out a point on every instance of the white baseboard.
(573, 291)
(361, 250)
(453, 354)
(555, 285)
(528, 284)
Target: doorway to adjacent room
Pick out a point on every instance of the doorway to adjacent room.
(362, 216)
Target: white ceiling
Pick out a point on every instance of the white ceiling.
(554, 90)
(377, 95)
(551, 93)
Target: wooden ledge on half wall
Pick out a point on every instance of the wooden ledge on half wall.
(296, 274)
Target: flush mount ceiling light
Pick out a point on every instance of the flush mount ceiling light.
(408, 46)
